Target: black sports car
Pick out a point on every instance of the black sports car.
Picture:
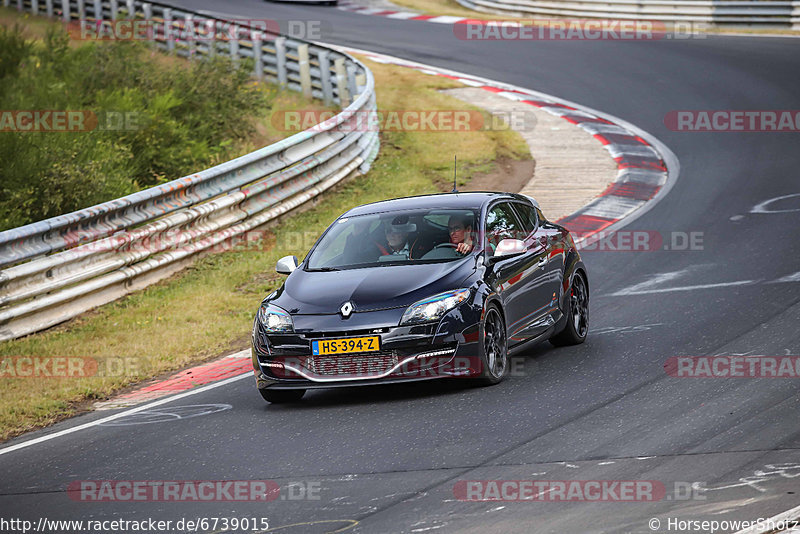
(420, 288)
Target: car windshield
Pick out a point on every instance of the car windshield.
(397, 237)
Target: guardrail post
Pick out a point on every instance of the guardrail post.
(6, 3)
(81, 9)
(48, 5)
(168, 30)
(65, 14)
(19, 5)
(341, 82)
(280, 60)
(351, 81)
(35, 7)
(233, 47)
(211, 27)
(131, 9)
(325, 77)
(190, 35)
(305, 69)
(258, 68)
(795, 15)
(114, 9)
(98, 10)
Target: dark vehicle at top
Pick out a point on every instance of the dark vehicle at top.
(420, 288)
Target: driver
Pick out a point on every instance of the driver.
(460, 228)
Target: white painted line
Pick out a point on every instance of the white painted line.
(141, 408)
(471, 83)
(402, 15)
(368, 10)
(629, 291)
(791, 278)
(600, 128)
(763, 207)
(768, 524)
(511, 96)
(445, 19)
(558, 112)
(617, 151)
(612, 207)
(241, 354)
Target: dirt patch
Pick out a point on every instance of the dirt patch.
(509, 175)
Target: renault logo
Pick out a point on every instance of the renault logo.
(346, 309)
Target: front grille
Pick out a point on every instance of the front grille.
(361, 365)
(371, 364)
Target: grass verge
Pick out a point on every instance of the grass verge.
(146, 117)
(208, 309)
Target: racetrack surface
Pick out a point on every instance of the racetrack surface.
(389, 457)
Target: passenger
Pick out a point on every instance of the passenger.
(397, 234)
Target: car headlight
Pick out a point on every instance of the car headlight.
(275, 319)
(433, 308)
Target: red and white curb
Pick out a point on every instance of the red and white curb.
(404, 15)
(233, 365)
(647, 169)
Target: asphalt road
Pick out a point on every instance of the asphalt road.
(388, 458)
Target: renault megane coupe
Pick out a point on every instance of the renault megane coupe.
(420, 288)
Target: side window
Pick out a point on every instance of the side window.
(502, 223)
(527, 215)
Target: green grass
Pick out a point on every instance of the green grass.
(208, 308)
(177, 121)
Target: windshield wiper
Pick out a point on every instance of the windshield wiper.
(323, 270)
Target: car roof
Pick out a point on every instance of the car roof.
(463, 200)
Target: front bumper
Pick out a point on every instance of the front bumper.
(445, 349)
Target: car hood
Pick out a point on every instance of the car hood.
(373, 288)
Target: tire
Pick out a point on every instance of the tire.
(494, 346)
(577, 327)
(282, 396)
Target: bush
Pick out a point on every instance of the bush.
(188, 116)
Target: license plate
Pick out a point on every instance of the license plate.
(346, 345)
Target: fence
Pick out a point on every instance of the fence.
(58, 268)
(768, 13)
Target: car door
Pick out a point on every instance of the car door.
(544, 243)
(517, 279)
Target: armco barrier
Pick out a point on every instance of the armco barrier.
(56, 269)
(766, 13)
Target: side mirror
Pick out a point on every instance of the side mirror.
(286, 265)
(508, 248)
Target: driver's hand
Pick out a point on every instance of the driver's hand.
(464, 248)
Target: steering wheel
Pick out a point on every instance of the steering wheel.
(445, 245)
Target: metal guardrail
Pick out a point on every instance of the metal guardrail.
(767, 13)
(58, 268)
